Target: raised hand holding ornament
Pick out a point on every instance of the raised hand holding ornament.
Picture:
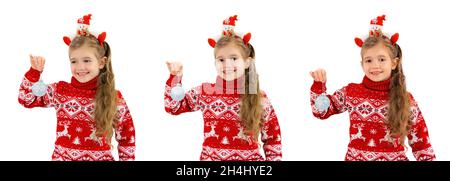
(322, 102)
(177, 92)
(39, 88)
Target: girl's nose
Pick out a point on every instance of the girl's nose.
(79, 67)
(376, 64)
(227, 63)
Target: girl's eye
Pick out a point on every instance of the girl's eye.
(72, 62)
(234, 58)
(86, 61)
(368, 61)
(382, 59)
(220, 60)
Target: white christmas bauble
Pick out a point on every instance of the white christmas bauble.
(322, 102)
(39, 88)
(177, 92)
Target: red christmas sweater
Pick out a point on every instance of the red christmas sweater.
(75, 130)
(367, 104)
(224, 137)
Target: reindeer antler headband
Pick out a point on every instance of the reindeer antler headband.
(228, 30)
(376, 26)
(83, 30)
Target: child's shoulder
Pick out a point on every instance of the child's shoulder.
(411, 98)
(120, 99)
(119, 94)
(410, 95)
(263, 94)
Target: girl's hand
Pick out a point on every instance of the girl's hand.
(319, 75)
(37, 62)
(175, 68)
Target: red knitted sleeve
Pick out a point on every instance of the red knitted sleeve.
(271, 133)
(337, 101)
(125, 132)
(418, 137)
(188, 104)
(26, 96)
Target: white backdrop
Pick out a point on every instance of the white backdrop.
(290, 38)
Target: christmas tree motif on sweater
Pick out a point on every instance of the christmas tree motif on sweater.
(371, 143)
(414, 139)
(76, 141)
(225, 141)
(358, 135)
(65, 132)
(211, 133)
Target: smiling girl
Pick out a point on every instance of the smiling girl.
(235, 111)
(88, 109)
(382, 113)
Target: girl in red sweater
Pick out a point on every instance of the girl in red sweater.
(88, 109)
(235, 111)
(382, 113)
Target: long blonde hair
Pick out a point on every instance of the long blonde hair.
(251, 107)
(399, 102)
(105, 106)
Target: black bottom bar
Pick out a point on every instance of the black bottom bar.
(224, 170)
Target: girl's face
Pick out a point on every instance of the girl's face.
(377, 63)
(84, 64)
(230, 63)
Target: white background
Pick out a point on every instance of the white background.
(290, 37)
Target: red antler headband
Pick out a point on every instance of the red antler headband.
(228, 30)
(376, 26)
(83, 30)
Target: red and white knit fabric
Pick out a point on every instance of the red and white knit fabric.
(224, 137)
(367, 104)
(75, 131)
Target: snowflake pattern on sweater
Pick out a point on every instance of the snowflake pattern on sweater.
(75, 131)
(370, 139)
(224, 137)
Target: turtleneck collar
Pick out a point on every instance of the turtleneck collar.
(236, 86)
(378, 86)
(89, 85)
